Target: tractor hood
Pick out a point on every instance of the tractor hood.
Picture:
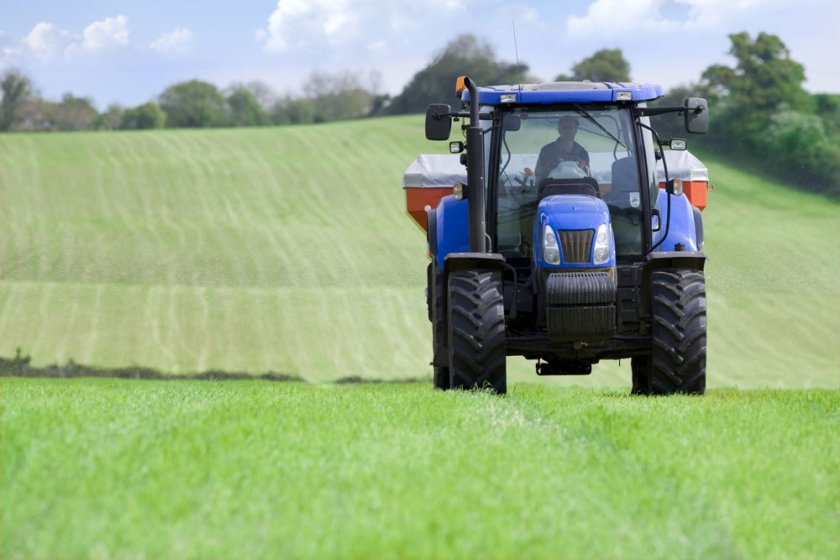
(575, 220)
(573, 211)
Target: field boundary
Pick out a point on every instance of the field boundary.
(20, 366)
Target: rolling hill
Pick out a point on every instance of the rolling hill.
(288, 250)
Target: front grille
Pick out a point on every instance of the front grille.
(577, 244)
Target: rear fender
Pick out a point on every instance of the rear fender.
(668, 259)
(455, 262)
(451, 231)
(683, 226)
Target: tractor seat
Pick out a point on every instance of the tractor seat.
(577, 185)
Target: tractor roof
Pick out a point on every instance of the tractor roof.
(566, 92)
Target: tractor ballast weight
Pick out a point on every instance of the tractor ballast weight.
(563, 250)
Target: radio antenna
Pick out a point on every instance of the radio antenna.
(516, 52)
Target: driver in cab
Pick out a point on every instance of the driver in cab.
(561, 150)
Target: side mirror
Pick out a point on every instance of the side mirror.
(696, 115)
(512, 123)
(438, 121)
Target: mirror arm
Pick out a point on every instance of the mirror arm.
(653, 111)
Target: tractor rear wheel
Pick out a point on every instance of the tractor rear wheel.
(436, 316)
(441, 378)
(476, 331)
(677, 362)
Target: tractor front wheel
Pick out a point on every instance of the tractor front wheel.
(476, 331)
(677, 362)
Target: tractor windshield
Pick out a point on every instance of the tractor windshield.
(541, 145)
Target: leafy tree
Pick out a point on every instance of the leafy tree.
(606, 65)
(261, 91)
(17, 90)
(764, 75)
(799, 147)
(146, 116)
(763, 79)
(74, 113)
(36, 114)
(762, 115)
(328, 97)
(464, 55)
(290, 110)
(339, 96)
(111, 118)
(380, 104)
(244, 108)
(827, 106)
(194, 104)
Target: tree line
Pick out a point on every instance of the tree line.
(760, 113)
(190, 104)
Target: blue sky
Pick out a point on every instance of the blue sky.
(128, 51)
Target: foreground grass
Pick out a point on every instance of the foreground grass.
(108, 468)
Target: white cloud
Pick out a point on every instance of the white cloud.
(9, 55)
(378, 46)
(623, 17)
(311, 23)
(177, 41)
(299, 22)
(527, 15)
(106, 34)
(45, 41)
(448, 4)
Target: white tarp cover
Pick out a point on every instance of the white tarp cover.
(435, 170)
(682, 165)
(444, 170)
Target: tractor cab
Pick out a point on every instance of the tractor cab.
(541, 152)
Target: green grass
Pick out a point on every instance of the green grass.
(289, 250)
(122, 469)
(772, 276)
(245, 250)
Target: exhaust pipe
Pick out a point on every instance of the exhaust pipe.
(475, 175)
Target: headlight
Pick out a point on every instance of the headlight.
(551, 252)
(603, 244)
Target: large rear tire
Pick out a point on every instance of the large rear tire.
(440, 367)
(441, 378)
(476, 331)
(677, 362)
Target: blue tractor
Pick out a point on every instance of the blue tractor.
(561, 247)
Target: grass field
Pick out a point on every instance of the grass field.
(244, 250)
(288, 250)
(128, 469)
